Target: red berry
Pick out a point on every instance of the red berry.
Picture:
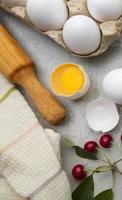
(105, 140)
(91, 146)
(78, 172)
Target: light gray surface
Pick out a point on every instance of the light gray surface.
(47, 55)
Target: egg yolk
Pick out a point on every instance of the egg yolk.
(71, 80)
(68, 79)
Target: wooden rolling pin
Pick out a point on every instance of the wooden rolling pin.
(18, 67)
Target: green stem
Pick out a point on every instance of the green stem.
(105, 161)
(104, 154)
(99, 169)
(117, 161)
(119, 171)
(113, 176)
(117, 147)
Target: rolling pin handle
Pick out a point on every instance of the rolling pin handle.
(18, 67)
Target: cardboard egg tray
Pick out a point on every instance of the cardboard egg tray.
(110, 30)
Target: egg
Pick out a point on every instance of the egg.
(70, 80)
(105, 10)
(12, 3)
(102, 115)
(47, 14)
(81, 35)
(112, 85)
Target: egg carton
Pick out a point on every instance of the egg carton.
(110, 30)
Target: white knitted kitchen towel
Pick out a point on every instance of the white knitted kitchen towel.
(29, 155)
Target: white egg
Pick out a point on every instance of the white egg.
(105, 10)
(102, 115)
(112, 85)
(12, 3)
(47, 14)
(81, 34)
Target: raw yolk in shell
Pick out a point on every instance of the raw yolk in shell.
(67, 79)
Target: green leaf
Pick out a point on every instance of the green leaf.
(84, 154)
(85, 191)
(68, 142)
(105, 195)
(79, 151)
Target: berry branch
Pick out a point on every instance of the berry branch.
(90, 151)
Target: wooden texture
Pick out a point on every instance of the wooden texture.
(18, 67)
(12, 57)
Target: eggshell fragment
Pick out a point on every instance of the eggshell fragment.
(102, 115)
(112, 85)
(81, 34)
(105, 10)
(55, 82)
(47, 14)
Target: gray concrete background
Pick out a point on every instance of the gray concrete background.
(47, 55)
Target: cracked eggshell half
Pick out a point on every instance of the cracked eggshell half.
(82, 35)
(102, 115)
(70, 80)
(47, 14)
(105, 10)
(112, 85)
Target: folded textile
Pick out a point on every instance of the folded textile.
(30, 164)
